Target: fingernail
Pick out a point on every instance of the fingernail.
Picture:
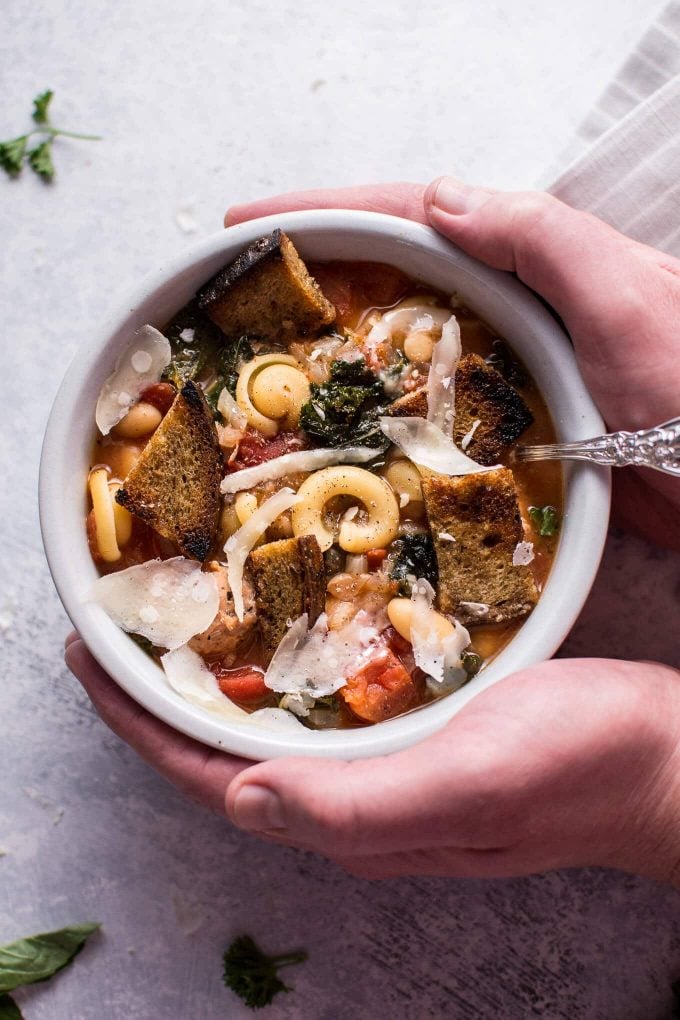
(257, 809)
(455, 197)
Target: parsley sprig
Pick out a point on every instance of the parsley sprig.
(15, 152)
(253, 975)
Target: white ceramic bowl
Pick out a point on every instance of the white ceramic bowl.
(321, 235)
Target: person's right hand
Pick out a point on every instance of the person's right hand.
(619, 300)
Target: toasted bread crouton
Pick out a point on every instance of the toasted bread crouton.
(267, 293)
(481, 515)
(175, 485)
(289, 580)
(482, 395)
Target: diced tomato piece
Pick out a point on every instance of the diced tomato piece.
(381, 689)
(161, 395)
(255, 448)
(354, 286)
(245, 684)
(375, 558)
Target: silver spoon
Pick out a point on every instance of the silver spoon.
(653, 448)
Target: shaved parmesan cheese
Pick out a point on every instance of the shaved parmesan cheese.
(523, 554)
(406, 318)
(445, 537)
(300, 703)
(166, 601)
(441, 392)
(440, 659)
(474, 608)
(230, 411)
(467, 438)
(242, 541)
(428, 447)
(312, 664)
(189, 676)
(140, 365)
(303, 460)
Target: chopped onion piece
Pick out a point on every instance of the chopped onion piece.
(428, 447)
(467, 438)
(242, 541)
(140, 365)
(356, 564)
(290, 463)
(230, 411)
(189, 676)
(166, 601)
(439, 659)
(318, 662)
(441, 390)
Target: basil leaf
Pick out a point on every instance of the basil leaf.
(38, 957)
(9, 1009)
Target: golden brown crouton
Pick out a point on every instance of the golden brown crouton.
(476, 527)
(483, 395)
(268, 293)
(175, 484)
(289, 581)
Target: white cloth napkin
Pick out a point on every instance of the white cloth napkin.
(625, 158)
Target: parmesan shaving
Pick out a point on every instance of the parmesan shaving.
(441, 391)
(428, 447)
(315, 663)
(439, 659)
(166, 601)
(523, 554)
(140, 365)
(189, 676)
(467, 438)
(290, 463)
(230, 411)
(237, 548)
(474, 608)
(406, 318)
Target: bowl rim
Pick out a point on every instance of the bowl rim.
(538, 638)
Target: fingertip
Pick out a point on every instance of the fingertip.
(70, 638)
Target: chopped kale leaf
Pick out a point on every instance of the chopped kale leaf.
(544, 520)
(415, 557)
(345, 410)
(195, 341)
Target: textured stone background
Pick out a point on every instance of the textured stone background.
(201, 104)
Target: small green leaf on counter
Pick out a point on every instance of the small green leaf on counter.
(38, 957)
(9, 1009)
(544, 520)
(40, 160)
(12, 155)
(40, 105)
(253, 975)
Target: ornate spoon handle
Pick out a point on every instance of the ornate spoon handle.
(653, 448)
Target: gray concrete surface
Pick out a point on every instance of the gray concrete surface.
(202, 104)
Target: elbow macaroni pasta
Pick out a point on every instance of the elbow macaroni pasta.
(271, 391)
(381, 526)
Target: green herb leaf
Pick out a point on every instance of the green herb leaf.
(253, 975)
(9, 1009)
(38, 957)
(544, 520)
(415, 557)
(40, 105)
(40, 160)
(12, 155)
(345, 410)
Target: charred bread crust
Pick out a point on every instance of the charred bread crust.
(267, 292)
(175, 485)
(481, 394)
(481, 512)
(289, 581)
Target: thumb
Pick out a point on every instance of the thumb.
(616, 296)
(403, 801)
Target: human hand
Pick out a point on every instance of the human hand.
(620, 301)
(196, 770)
(568, 763)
